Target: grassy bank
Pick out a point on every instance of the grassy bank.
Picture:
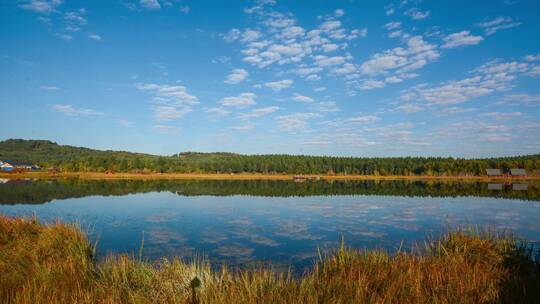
(253, 176)
(54, 264)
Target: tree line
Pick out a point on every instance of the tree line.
(75, 159)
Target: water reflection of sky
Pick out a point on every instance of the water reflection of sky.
(285, 230)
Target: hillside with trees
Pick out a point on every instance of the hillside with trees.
(48, 154)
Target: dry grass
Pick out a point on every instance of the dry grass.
(54, 264)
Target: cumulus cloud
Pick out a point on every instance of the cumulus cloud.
(170, 102)
(491, 77)
(371, 84)
(185, 9)
(218, 111)
(499, 23)
(325, 106)
(417, 14)
(237, 76)
(150, 4)
(417, 54)
(242, 100)
(459, 39)
(532, 57)
(255, 113)
(279, 85)
(95, 37)
(364, 119)
(295, 121)
(41, 6)
(70, 110)
(392, 25)
(521, 99)
(302, 98)
(409, 108)
(280, 40)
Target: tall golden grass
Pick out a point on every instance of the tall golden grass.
(55, 264)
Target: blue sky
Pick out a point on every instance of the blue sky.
(441, 78)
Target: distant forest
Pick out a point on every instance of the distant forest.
(48, 154)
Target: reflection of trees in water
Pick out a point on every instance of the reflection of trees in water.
(40, 191)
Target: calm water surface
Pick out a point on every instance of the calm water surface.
(249, 222)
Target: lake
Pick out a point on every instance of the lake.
(245, 223)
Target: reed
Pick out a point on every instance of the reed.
(55, 264)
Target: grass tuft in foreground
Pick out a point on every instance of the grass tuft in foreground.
(55, 264)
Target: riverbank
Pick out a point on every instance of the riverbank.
(251, 176)
(55, 264)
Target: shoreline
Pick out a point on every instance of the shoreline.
(251, 176)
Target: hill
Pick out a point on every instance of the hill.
(69, 158)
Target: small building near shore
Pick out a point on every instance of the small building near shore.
(493, 172)
(518, 172)
(5, 166)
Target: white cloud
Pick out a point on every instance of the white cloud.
(523, 98)
(325, 61)
(69, 110)
(500, 23)
(95, 37)
(232, 35)
(532, 57)
(393, 79)
(502, 115)
(218, 111)
(392, 25)
(242, 100)
(255, 113)
(237, 76)
(41, 6)
(76, 17)
(305, 71)
(319, 89)
(409, 108)
(279, 85)
(329, 47)
(490, 77)
(313, 77)
(170, 102)
(302, 98)
(453, 110)
(250, 35)
(416, 14)
(282, 41)
(325, 106)
(175, 95)
(365, 119)
(170, 113)
(185, 9)
(371, 84)
(64, 37)
(415, 56)
(295, 121)
(150, 4)
(347, 68)
(462, 38)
